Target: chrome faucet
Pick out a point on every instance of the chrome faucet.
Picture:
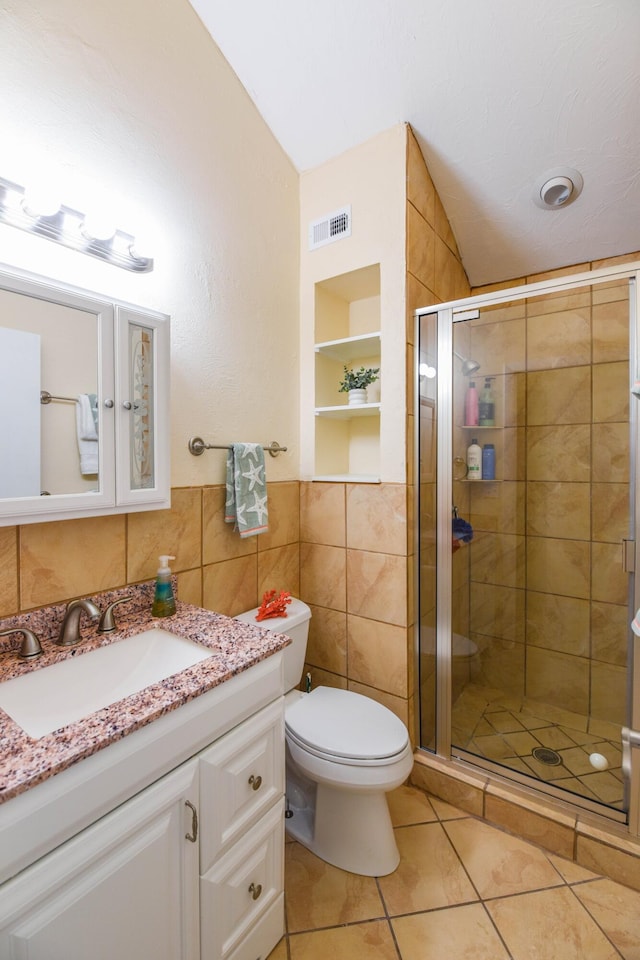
(70, 628)
(30, 648)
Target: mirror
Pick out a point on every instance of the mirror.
(83, 388)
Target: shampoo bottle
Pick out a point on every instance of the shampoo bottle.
(164, 603)
(474, 461)
(486, 406)
(471, 406)
(488, 462)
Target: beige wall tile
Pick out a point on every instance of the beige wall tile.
(8, 571)
(502, 663)
(611, 331)
(323, 575)
(279, 569)
(323, 678)
(610, 459)
(71, 558)
(284, 516)
(219, 539)
(515, 399)
(420, 189)
(608, 579)
(323, 513)
(559, 339)
(559, 396)
(230, 587)
(609, 625)
(377, 586)
(610, 511)
(190, 586)
(558, 566)
(558, 623)
(559, 453)
(497, 507)
(450, 281)
(377, 655)
(327, 644)
(176, 531)
(377, 517)
(444, 231)
(421, 241)
(610, 392)
(546, 831)
(620, 865)
(498, 611)
(499, 348)
(609, 692)
(558, 679)
(559, 510)
(498, 558)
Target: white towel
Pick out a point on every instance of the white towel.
(246, 503)
(86, 416)
(88, 449)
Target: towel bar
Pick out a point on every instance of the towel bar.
(197, 446)
(46, 397)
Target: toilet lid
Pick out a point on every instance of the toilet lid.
(340, 723)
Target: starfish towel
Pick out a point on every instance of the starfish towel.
(246, 503)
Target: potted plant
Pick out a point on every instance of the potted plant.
(355, 383)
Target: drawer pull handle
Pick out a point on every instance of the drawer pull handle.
(255, 890)
(255, 782)
(193, 836)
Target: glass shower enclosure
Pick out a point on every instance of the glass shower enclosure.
(526, 574)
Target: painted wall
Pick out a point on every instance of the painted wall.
(132, 108)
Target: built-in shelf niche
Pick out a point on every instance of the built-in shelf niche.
(347, 332)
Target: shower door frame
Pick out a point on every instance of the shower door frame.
(448, 314)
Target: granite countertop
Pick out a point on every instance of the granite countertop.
(235, 646)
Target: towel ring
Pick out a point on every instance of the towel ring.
(197, 447)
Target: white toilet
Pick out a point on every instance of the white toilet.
(344, 753)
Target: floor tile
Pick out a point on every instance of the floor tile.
(456, 933)
(445, 811)
(617, 910)
(498, 863)
(409, 805)
(429, 875)
(549, 925)
(362, 941)
(569, 871)
(320, 895)
(279, 952)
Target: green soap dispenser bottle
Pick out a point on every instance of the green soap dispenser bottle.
(486, 405)
(164, 602)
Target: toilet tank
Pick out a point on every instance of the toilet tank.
(296, 626)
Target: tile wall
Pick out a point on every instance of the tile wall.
(43, 563)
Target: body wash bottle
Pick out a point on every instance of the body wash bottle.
(486, 406)
(164, 602)
(474, 461)
(471, 406)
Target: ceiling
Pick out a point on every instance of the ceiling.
(498, 92)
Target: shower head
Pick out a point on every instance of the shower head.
(468, 366)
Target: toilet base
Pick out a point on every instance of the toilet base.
(350, 830)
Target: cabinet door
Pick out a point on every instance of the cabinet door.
(241, 887)
(142, 408)
(125, 888)
(241, 776)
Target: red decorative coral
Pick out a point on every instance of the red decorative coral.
(273, 604)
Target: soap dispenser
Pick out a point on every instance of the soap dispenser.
(164, 602)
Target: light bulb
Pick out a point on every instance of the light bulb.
(97, 227)
(40, 202)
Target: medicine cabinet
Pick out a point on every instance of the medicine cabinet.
(347, 333)
(84, 403)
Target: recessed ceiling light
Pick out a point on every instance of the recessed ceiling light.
(557, 188)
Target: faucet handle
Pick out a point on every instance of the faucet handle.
(30, 648)
(107, 620)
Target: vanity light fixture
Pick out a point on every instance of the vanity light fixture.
(69, 227)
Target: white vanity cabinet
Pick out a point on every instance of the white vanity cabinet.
(190, 867)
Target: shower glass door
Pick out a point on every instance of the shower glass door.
(532, 654)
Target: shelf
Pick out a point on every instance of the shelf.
(348, 412)
(464, 480)
(347, 478)
(351, 348)
(465, 426)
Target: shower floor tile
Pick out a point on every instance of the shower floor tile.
(506, 731)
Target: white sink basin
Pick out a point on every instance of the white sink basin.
(45, 700)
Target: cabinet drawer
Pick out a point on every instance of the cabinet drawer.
(241, 776)
(242, 886)
(263, 936)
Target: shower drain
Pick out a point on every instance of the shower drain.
(546, 755)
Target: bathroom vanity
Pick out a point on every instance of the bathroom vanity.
(153, 828)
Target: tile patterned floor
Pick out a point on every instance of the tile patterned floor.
(464, 890)
(490, 724)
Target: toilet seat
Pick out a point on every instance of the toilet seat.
(345, 727)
